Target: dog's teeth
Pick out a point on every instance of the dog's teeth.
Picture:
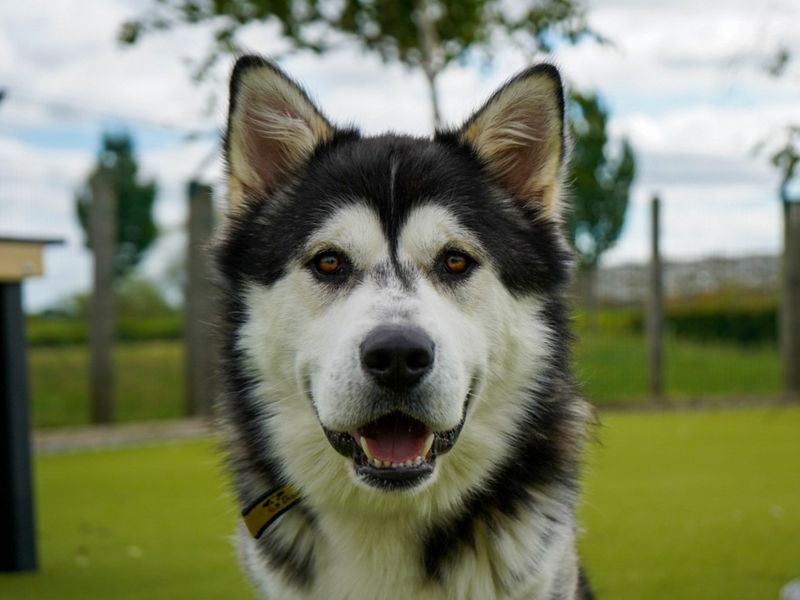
(385, 464)
(428, 445)
(363, 441)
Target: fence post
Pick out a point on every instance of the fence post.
(655, 306)
(198, 336)
(102, 229)
(790, 303)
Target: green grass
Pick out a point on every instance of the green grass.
(676, 506)
(702, 505)
(148, 382)
(152, 523)
(612, 368)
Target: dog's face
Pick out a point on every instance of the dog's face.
(390, 290)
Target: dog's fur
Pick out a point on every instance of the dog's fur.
(490, 513)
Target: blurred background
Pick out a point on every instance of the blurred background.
(111, 112)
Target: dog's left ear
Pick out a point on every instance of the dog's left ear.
(273, 129)
(519, 135)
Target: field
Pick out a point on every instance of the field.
(612, 369)
(703, 505)
(677, 505)
(148, 378)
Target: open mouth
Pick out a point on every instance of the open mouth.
(395, 448)
(394, 451)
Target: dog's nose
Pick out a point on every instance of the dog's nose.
(397, 357)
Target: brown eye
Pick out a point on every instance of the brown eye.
(328, 263)
(456, 262)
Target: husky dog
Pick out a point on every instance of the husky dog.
(400, 418)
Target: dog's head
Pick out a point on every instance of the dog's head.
(389, 295)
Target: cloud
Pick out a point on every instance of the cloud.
(684, 81)
(701, 220)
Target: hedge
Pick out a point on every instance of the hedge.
(62, 331)
(746, 326)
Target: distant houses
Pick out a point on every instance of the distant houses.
(627, 284)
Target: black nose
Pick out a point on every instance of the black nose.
(397, 357)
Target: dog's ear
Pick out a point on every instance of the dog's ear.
(519, 135)
(273, 128)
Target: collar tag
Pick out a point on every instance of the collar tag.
(269, 507)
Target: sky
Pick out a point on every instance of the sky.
(684, 82)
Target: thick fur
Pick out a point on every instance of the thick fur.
(496, 519)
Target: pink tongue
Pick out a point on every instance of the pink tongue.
(396, 448)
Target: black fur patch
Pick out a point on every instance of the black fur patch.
(584, 589)
(527, 250)
(296, 558)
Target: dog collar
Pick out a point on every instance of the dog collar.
(269, 507)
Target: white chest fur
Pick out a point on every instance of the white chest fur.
(355, 559)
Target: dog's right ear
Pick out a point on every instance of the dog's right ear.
(273, 128)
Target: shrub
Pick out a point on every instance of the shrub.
(62, 331)
(727, 316)
(743, 326)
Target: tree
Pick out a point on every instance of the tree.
(424, 34)
(136, 230)
(600, 182)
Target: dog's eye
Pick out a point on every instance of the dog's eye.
(328, 263)
(456, 262)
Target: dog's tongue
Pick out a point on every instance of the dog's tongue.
(395, 438)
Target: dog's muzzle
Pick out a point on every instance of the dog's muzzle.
(398, 449)
(395, 451)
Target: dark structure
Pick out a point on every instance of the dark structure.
(18, 259)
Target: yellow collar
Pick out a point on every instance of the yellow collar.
(269, 507)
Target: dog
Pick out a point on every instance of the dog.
(399, 416)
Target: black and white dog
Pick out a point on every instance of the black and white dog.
(400, 417)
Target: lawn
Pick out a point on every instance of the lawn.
(612, 369)
(676, 505)
(694, 505)
(148, 382)
(611, 366)
(152, 522)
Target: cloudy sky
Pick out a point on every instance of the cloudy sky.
(684, 82)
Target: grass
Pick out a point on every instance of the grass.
(703, 505)
(152, 522)
(148, 382)
(677, 505)
(612, 368)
